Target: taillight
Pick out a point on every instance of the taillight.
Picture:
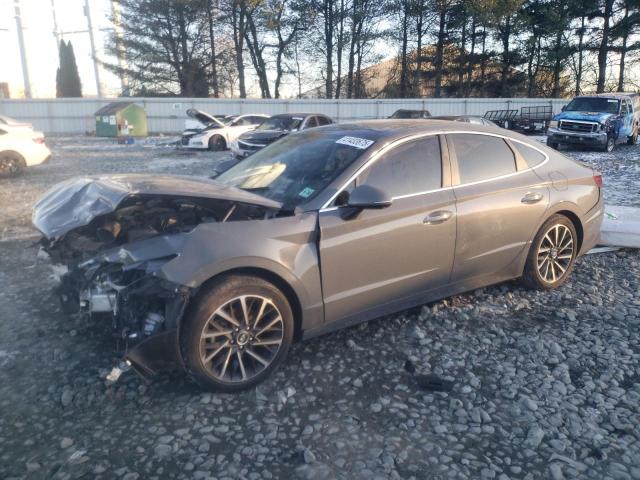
(39, 140)
(598, 179)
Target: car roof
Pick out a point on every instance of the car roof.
(298, 115)
(617, 95)
(391, 129)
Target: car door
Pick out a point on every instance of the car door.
(499, 201)
(627, 119)
(385, 257)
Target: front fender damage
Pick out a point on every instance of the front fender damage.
(111, 237)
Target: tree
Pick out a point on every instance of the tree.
(67, 77)
(165, 43)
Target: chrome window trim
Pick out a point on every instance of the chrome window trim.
(386, 148)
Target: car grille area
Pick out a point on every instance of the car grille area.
(578, 127)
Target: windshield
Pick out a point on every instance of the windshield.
(281, 123)
(296, 168)
(593, 104)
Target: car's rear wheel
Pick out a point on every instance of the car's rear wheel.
(217, 143)
(11, 164)
(237, 334)
(552, 254)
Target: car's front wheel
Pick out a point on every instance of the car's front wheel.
(238, 332)
(551, 144)
(633, 139)
(552, 254)
(11, 164)
(610, 145)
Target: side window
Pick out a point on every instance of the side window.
(531, 156)
(624, 108)
(481, 157)
(311, 122)
(323, 121)
(410, 168)
(256, 120)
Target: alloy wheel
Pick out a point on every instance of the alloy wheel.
(555, 253)
(241, 338)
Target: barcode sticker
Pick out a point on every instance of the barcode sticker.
(360, 143)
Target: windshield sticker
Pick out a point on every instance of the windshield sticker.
(612, 101)
(297, 118)
(306, 192)
(360, 143)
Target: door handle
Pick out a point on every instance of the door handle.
(531, 198)
(437, 217)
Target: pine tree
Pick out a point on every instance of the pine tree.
(67, 77)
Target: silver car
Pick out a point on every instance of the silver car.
(320, 230)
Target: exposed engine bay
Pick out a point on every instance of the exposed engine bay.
(109, 243)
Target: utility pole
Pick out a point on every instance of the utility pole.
(87, 13)
(122, 61)
(56, 32)
(23, 53)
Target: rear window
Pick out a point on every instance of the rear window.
(531, 156)
(481, 157)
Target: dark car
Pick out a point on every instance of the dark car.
(477, 120)
(410, 114)
(275, 128)
(320, 230)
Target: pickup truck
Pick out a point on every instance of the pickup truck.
(600, 121)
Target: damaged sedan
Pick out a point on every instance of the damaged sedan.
(320, 230)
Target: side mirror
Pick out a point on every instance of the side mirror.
(366, 196)
(564, 107)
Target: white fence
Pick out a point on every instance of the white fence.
(75, 115)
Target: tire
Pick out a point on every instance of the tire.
(551, 144)
(220, 350)
(543, 274)
(633, 139)
(11, 164)
(610, 146)
(217, 143)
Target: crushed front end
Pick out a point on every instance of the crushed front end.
(109, 239)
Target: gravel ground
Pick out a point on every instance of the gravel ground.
(545, 385)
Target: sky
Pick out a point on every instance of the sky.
(41, 48)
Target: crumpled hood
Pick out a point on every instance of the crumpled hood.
(76, 202)
(263, 136)
(600, 117)
(203, 117)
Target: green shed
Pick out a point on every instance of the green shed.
(121, 119)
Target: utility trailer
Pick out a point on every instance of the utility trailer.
(503, 118)
(533, 118)
(528, 119)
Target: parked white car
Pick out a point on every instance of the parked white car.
(219, 134)
(20, 147)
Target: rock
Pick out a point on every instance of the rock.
(555, 471)
(534, 437)
(376, 407)
(66, 398)
(66, 442)
(309, 456)
(530, 404)
(162, 450)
